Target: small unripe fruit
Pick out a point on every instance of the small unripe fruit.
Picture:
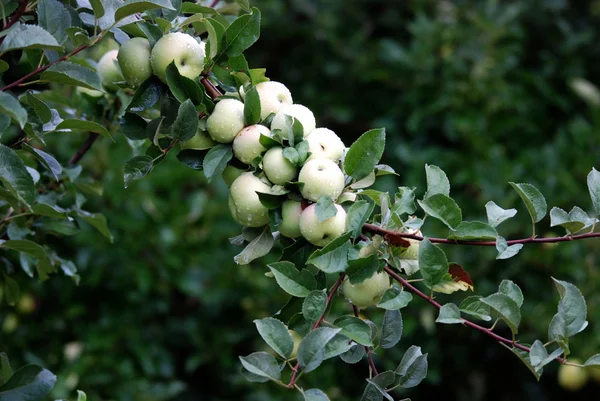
(321, 233)
(299, 112)
(109, 70)
(367, 293)
(246, 144)
(273, 96)
(226, 120)
(200, 141)
(321, 177)
(277, 168)
(572, 378)
(134, 60)
(290, 218)
(182, 48)
(324, 143)
(244, 202)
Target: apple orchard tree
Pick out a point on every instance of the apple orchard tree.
(180, 83)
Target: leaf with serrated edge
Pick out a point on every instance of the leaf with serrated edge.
(437, 181)
(572, 311)
(432, 262)
(355, 329)
(365, 153)
(314, 394)
(449, 314)
(593, 182)
(395, 298)
(533, 199)
(497, 215)
(276, 335)
(261, 364)
(292, 281)
(509, 288)
(391, 328)
(505, 251)
(333, 258)
(257, 248)
(314, 305)
(311, 349)
(443, 208)
(506, 307)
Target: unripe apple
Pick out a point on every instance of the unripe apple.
(594, 372)
(367, 293)
(277, 168)
(200, 141)
(572, 378)
(134, 60)
(321, 177)
(273, 96)
(230, 174)
(290, 218)
(109, 71)
(324, 143)
(321, 233)
(226, 120)
(244, 203)
(182, 48)
(247, 146)
(299, 112)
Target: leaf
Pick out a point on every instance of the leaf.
(539, 356)
(244, 4)
(497, 215)
(146, 96)
(69, 73)
(506, 307)
(314, 305)
(574, 221)
(192, 158)
(325, 208)
(133, 126)
(437, 181)
(292, 281)
(379, 383)
(533, 199)
(593, 361)
(11, 291)
(137, 6)
(394, 298)
(473, 231)
(11, 107)
(311, 349)
(524, 357)
(412, 368)
(365, 153)
(333, 257)
(216, 160)
(509, 288)
(355, 329)
(258, 247)
(572, 311)
(29, 383)
(15, 177)
(276, 335)
(261, 364)
(443, 208)
(593, 182)
(242, 33)
(505, 251)
(137, 168)
(404, 201)
(357, 216)
(44, 267)
(361, 268)
(432, 262)
(473, 306)
(338, 345)
(314, 394)
(71, 124)
(182, 87)
(47, 160)
(96, 220)
(43, 209)
(23, 36)
(391, 328)
(252, 107)
(449, 314)
(186, 123)
(54, 18)
(5, 369)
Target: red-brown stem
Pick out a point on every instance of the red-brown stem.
(214, 3)
(212, 91)
(84, 148)
(17, 14)
(372, 228)
(332, 292)
(368, 350)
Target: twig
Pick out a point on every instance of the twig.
(17, 14)
(212, 91)
(84, 148)
(369, 350)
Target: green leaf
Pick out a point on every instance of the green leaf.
(133, 126)
(11, 291)
(473, 306)
(244, 4)
(137, 6)
(276, 335)
(186, 123)
(242, 33)
(5, 369)
(39, 106)
(54, 18)
(365, 153)
(533, 199)
(572, 311)
(252, 107)
(473, 231)
(506, 307)
(432, 262)
(258, 247)
(355, 329)
(339, 345)
(292, 281)
(43, 209)
(312, 348)
(574, 221)
(81, 396)
(391, 328)
(437, 181)
(98, 8)
(184, 88)
(23, 36)
(404, 201)
(314, 394)
(261, 364)
(443, 208)
(361, 268)
(505, 251)
(69, 73)
(497, 215)
(412, 368)
(593, 182)
(137, 168)
(593, 361)
(379, 383)
(325, 208)
(509, 288)
(192, 158)
(44, 267)
(146, 96)
(314, 305)
(216, 160)
(11, 107)
(539, 357)
(357, 215)
(354, 354)
(333, 258)
(46, 159)
(15, 177)
(71, 125)
(395, 298)
(29, 383)
(449, 314)
(96, 220)
(524, 357)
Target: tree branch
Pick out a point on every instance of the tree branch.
(17, 14)
(212, 91)
(84, 148)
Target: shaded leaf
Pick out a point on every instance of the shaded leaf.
(365, 153)
(292, 281)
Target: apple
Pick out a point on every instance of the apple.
(230, 174)
(244, 203)
(290, 218)
(367, 293)
(572, 378)
(200, 141)
(247, 146)
(277, 168)
(226, 120)
(324, 143)
(182, 48)
(321, 233)
(321, 177)
(134, 60)
(273, 96)
(109, 71)
(299, 112)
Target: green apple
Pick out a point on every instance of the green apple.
(321, 177)
(273, 96)
(367, 293)
(572, 378)
(109, 71)
(290, 218)
(299, 112)
(321, 233)
(134, 60)
(247, 146)
(277, 168)
(324, 143)
(244, 203)
(182, 48)
(200, 141)
(230, 174)
(226, 120)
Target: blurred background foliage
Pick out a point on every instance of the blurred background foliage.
(484, 89)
